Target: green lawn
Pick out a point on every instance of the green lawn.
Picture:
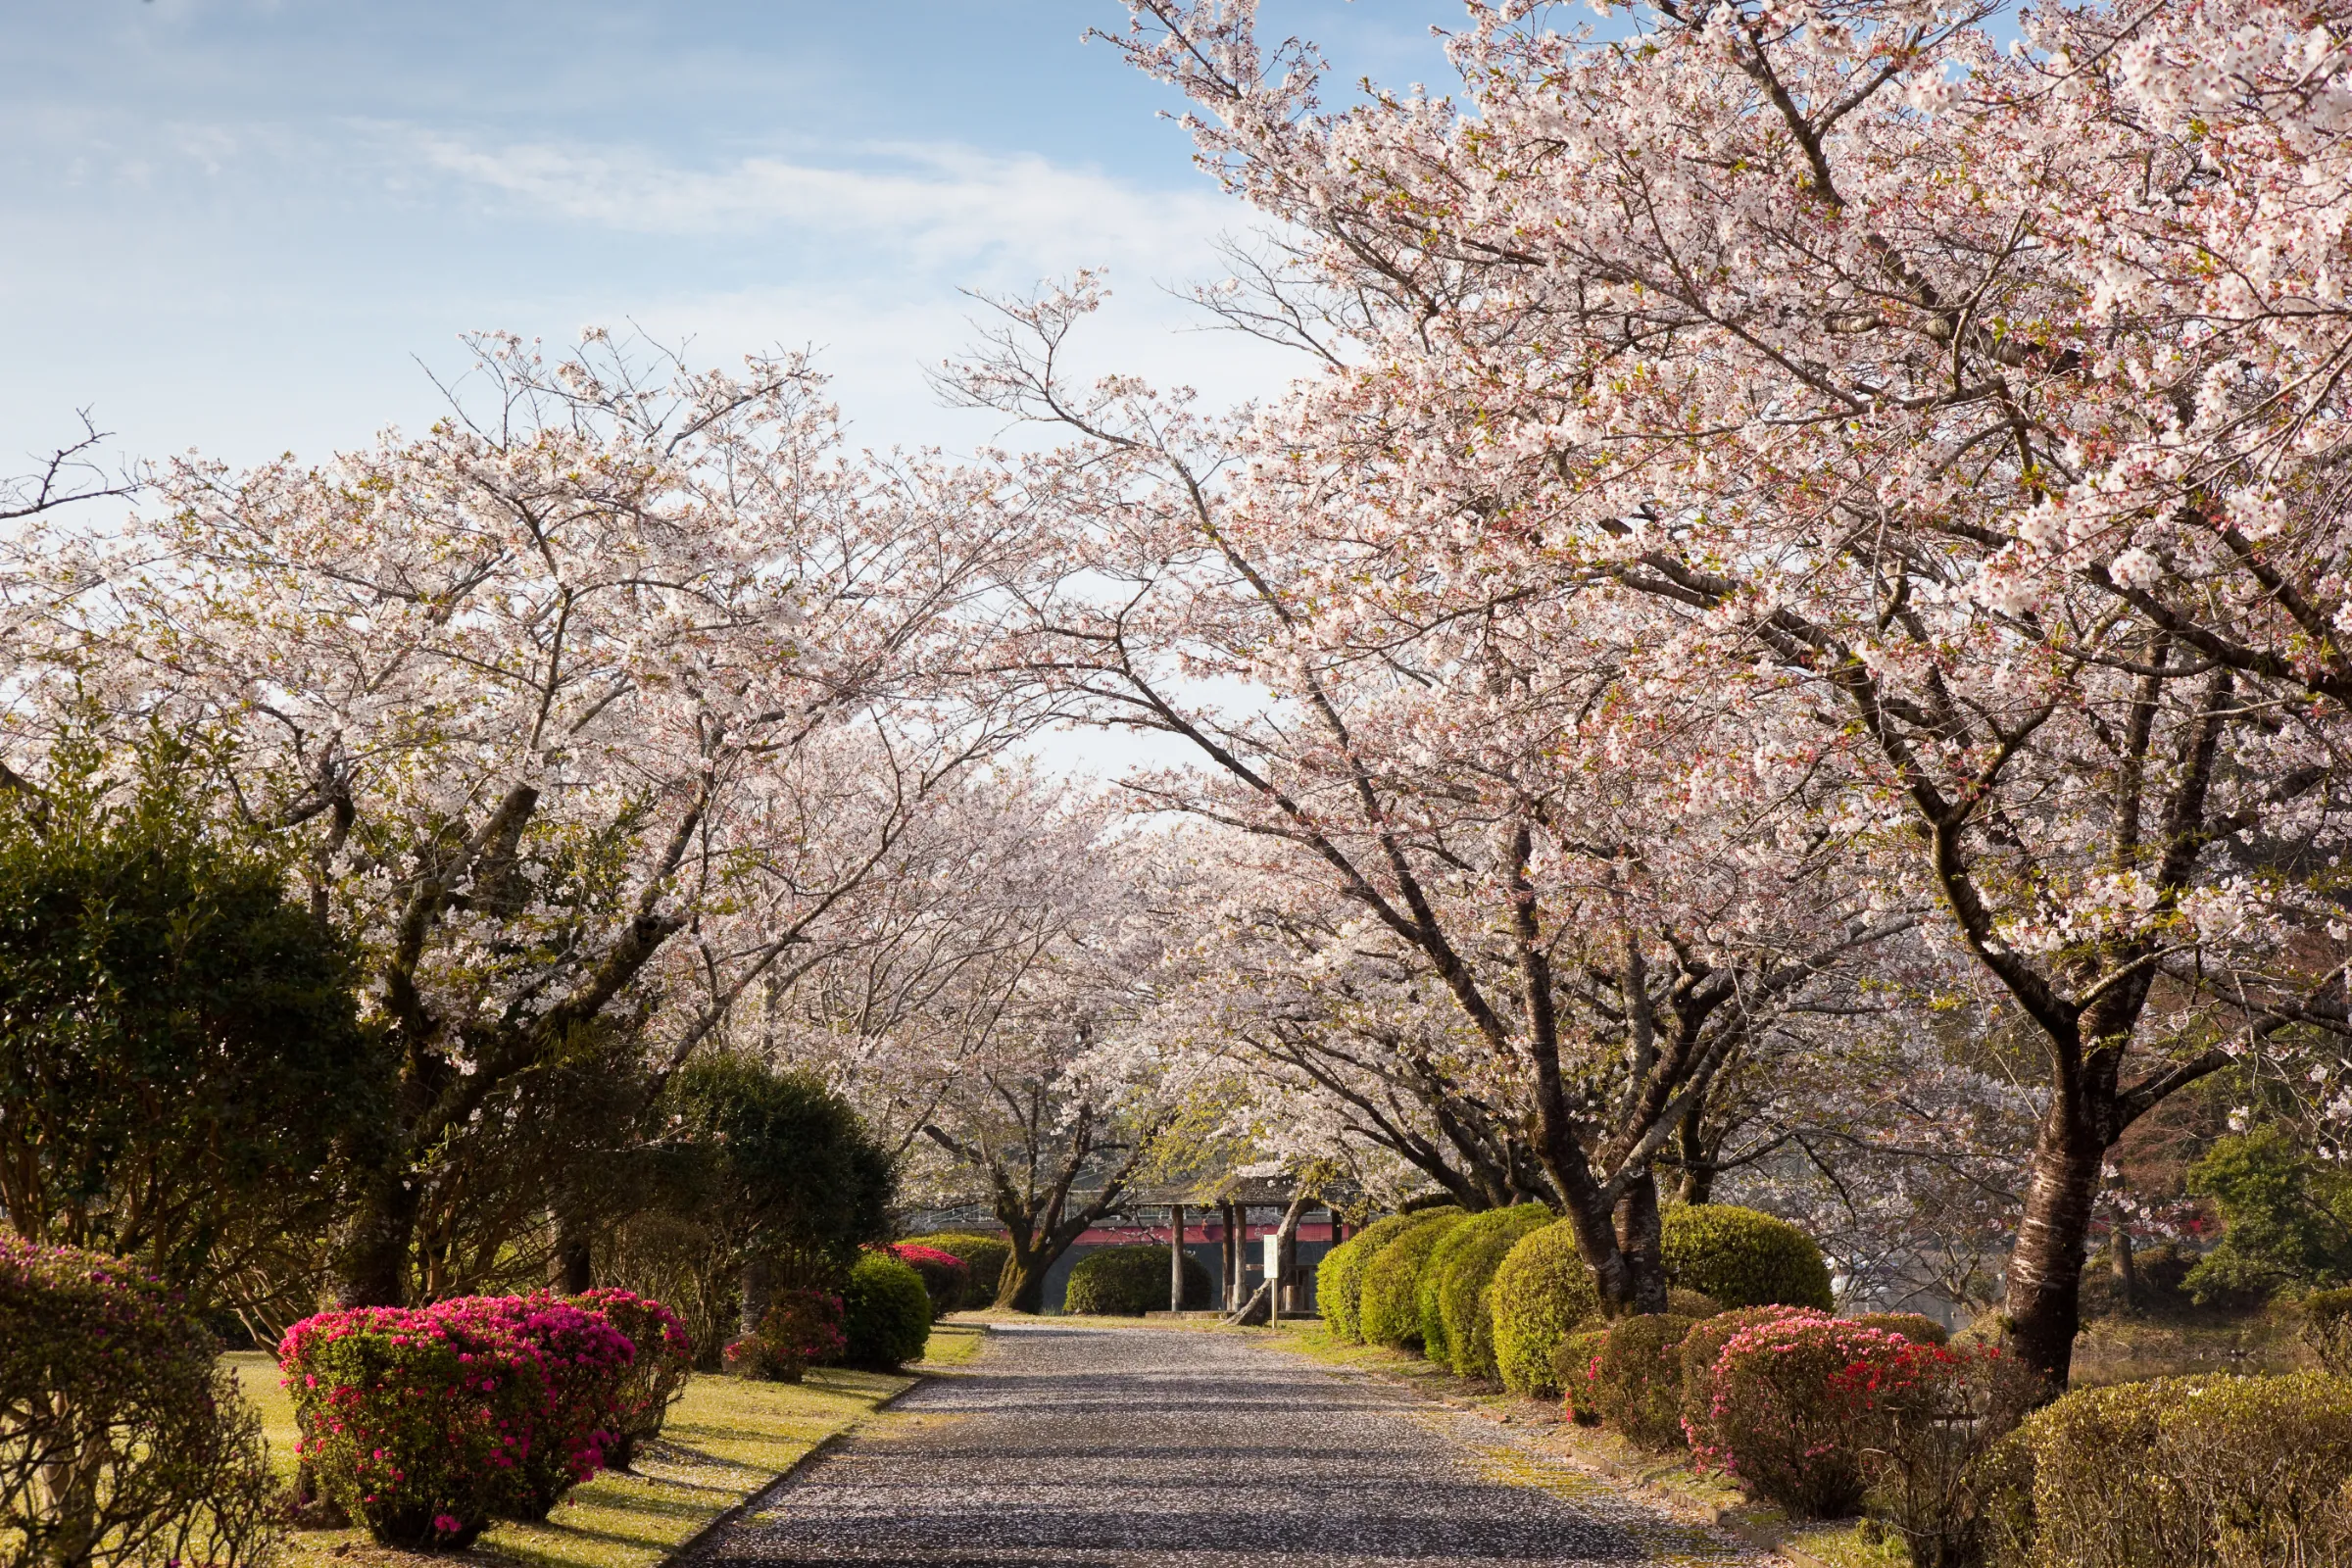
(724, 1441)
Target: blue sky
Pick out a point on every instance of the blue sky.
(238, 224)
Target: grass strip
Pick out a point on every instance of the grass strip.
(724, 1441)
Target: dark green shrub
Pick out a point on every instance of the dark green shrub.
(1131, 1280)
(1542, 1291)
(1340, 1280)
(2286, 1219)
(1690, 1304)
(1576, 1371)
(1636, 1379)
(1743, 1258)
(2217, 1472)
(885, 1312)
(1389, 1312)
(120, 1441)
(2323, 1323)
(1910, 1325)
(983, 1260)
(801, 1329)
(1701, 1348)
(1456, 1324)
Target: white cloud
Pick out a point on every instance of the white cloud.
(932, 203)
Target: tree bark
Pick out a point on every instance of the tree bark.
(1641, 1239)
(756, 1293)
(2127, 1273)
(1176, 1258)
(1229, 1292)
(2040, 1311)
(377, 1241)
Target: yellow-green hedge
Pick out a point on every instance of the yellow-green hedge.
(1457, 1327)
(1743, 1258)
(984, 1258)
(1340, 1278)
(1389, 1313)
(2220, 1472)
(1541, 1292)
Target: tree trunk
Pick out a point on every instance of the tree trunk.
(1021, 1288)
(2041, 1307)
(377, 1241)
(570, 1271)
(2127, 1273)
(1229, 1292)
(757, 1291)
(1641, 1239)
(1176, 1258)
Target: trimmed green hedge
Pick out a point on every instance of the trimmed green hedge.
(983, 1255)
(1457, 1327)
(2204, 1472)
(1340, 1279)
(1910, 1325)
(1391, 1310)
(1743, 1258)
(1638, 1391)
(1541, 1292)
(1131, 1280)
(885, 1312)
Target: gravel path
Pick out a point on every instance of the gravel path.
(1144, 1447)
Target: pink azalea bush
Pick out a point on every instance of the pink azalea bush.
(654, 1379)
(802, 1329)
(1925, 1419)
(945, 1277)
(423, 1423)
(1777, 1417)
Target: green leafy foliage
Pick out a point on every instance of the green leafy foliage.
(1541, 1292)
(2323, 1323)
(2286, 1219)
(179, 1050)
(1575, 1372)
(1636, 1379)
(983, 1260)
(885, 1312)
(120, 1440)
(2194, 1473)
(1742, 1258)
(1458, 1327)
(1340, 1279)
(1131, 1280)
(1389, 1313)
(780, 1160)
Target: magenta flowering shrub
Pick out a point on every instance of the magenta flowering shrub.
(1780, 1418)
(584, 1359)
(802, 1329)
(945, 1277)
(425, 1423)
(654, 1379)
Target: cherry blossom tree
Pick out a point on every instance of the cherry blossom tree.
(1609, 902)
(588, 708)
(1978, 413)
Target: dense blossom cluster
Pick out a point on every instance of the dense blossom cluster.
(426, 1422)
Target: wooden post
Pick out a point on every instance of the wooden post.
(1175, 1257)
(1287, 1247)
(1231, 1258)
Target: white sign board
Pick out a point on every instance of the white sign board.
(1273, 1246)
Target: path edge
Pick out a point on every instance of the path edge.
(1746, 1532)
(691, 1548)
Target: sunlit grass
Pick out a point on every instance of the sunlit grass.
(724, 1441)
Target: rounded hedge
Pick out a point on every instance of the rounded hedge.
(1340, 1280)
(1576, 1368)
(885, 1312)
(1638, 1379)
(946, 1276)
(1391, 1310)
(105, 1372)
(1780, 1419)
(984, 1258)
(1743, 1258)
(1131, 1280)
(1542, 1291)
(1457, 1328)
